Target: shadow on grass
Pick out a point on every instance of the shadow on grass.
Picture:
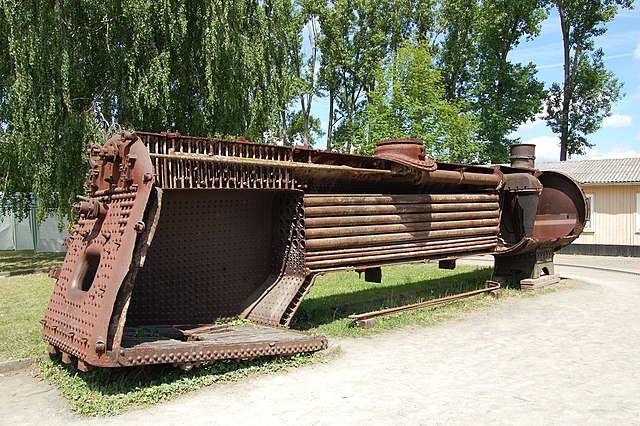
(20, 260)
(326, 309)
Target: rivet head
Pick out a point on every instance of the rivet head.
(139, 226)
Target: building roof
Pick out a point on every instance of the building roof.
(618, 170)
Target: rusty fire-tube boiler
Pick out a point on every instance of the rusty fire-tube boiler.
(177, 233)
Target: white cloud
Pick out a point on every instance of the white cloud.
(636, 52)
(547, 148)
(618, 120)
(617, 152)
(621, 153)
(530, 124)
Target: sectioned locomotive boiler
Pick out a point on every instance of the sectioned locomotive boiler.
(176, 233)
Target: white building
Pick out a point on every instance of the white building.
(613, 191)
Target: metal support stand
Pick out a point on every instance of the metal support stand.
(534, 270)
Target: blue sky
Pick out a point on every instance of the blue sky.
(619, 136)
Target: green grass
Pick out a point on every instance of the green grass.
(104, 392)
(336, 296)
(23, 300)
(21, 260)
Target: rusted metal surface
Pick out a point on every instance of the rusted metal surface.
(100, 253)
(243, 341)
(523, 156)
(178, 233)
(537, 220)
(410, 152)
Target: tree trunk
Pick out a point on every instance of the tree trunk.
(330, 124)
(284, 135)
(566, 90)
(305, 129)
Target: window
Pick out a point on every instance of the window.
(588, 225)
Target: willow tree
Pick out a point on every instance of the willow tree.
(73, 71)
(47, 101)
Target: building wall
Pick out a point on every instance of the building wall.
(614, 213)
(615, 221)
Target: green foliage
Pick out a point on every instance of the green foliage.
(354, 39)
(469, 40)
(71, 71)
(577, 107)
(474, 57)
(305, 70)
(593, 92)
(409, 101)
(505, 94)
(459, 51)
(296, 129)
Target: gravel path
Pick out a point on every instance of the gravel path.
(563, 358)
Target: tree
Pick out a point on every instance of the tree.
(47, 110)
(577, 108)
(306, 68)
(285, 26)
(505, 94)
(353, 41)
(409, 101)
(72, 71)
(298, 129)
(458, 49)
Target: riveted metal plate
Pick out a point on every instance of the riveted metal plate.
(244, 341)
(99, 255)
(211, 250)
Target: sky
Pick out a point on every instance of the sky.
(619, 136)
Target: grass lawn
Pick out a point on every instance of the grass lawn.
(105, 392)
(23, 299)
(336, 296)
(20, 260)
